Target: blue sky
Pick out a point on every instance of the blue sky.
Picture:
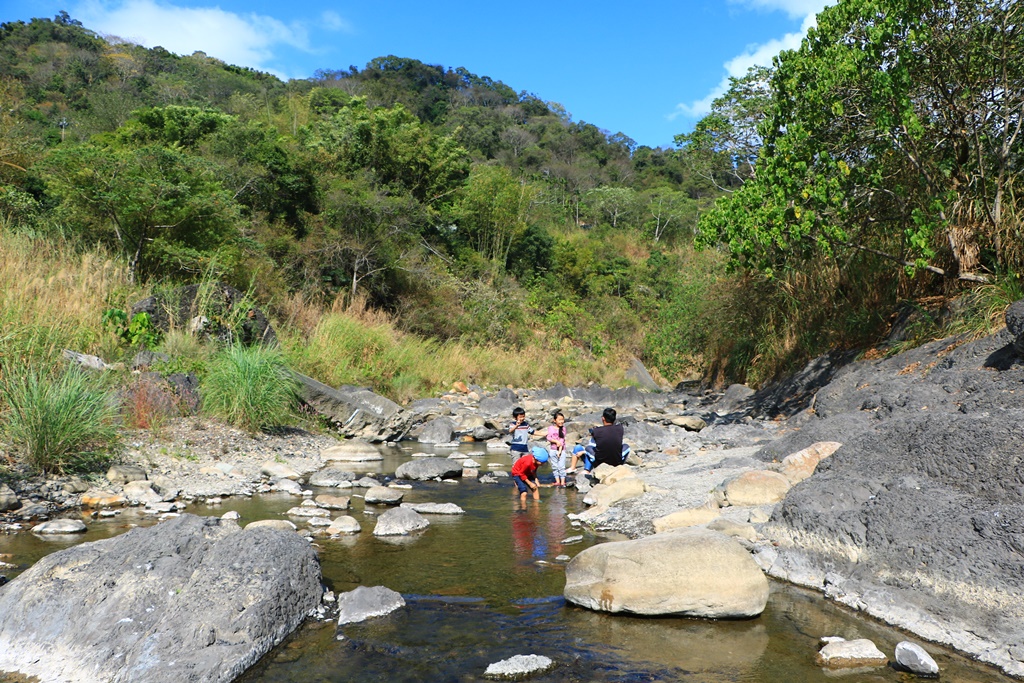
(647, 69)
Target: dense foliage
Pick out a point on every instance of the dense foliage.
(462, 208)
(885, 163)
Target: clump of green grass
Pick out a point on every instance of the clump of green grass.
(249, 387)
(61, 423)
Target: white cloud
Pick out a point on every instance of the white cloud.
(757, 55)
(334, 22)
(794, 8)
(243, 39)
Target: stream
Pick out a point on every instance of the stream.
(487, 585)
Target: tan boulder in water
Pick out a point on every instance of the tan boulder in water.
(689, 572)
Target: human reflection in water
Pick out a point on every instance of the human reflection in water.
(538, 530)
(529, 542)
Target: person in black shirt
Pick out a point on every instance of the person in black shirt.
(607, 440)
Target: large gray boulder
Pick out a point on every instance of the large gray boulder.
(383, 495)
(8, 499)
(438, 430)
(496, 407)
(355, 411)
(122, 474)
(690, 572)
(734, 399)
(190, 599)
(422, 469)
(931, 441)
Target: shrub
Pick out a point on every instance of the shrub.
(148, 405)
(58, 424)
(249, 387)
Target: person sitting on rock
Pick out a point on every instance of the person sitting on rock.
(608, 440)
(524, 473)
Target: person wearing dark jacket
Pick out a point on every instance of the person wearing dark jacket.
(607, 440)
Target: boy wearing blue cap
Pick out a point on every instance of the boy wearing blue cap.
(524, 473)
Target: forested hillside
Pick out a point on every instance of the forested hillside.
(871, 173)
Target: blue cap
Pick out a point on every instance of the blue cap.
(539, 454)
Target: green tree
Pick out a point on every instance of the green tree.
(362, 236)
(667, 213)
(163, 208)
(724, 145)
(892, 132)
(616, 206)
(494, 210)
(393, 146)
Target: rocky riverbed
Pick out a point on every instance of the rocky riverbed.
(892, 486)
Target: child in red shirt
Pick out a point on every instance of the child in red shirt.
(524, 473)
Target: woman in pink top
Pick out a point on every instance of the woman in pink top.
(556, 448)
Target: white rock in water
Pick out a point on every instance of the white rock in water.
(281, 524)
(692, 572)
(470, 463)
(61, 526)
(307, 512)
(846, 654)
(913, 658)
(288, 486)
(231, 514)
(435, 508)
(518, 666)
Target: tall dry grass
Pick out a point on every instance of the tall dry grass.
(359, 346)
(52, 296)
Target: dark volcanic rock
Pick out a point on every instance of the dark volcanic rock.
(793, 394)
(919, 518)
(229, 313)
(1015, 325)
(190, 599)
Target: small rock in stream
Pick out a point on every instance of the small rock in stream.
(518, 666)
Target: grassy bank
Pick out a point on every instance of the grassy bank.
(54, 295)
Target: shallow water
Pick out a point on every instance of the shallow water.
(486, 585)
